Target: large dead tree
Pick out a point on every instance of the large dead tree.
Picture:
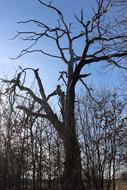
(99, 39)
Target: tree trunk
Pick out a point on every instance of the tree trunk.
(72, 176)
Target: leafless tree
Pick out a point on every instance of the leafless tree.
(102, 133)
(99, 39)
(32, 154)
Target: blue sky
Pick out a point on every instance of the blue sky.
(13, 11)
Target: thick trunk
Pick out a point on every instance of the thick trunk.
(72, 176)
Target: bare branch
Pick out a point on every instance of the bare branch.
(52, 7)
(31, 113)
(105, 57)
(26, 51)
(51, 95)
(62, 77)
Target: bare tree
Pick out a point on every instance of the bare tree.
(99, 39)
(101, 128)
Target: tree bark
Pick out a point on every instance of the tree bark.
(72, 176)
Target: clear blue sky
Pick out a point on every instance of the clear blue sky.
(14, 11)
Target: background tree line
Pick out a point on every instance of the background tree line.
(31, 152)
